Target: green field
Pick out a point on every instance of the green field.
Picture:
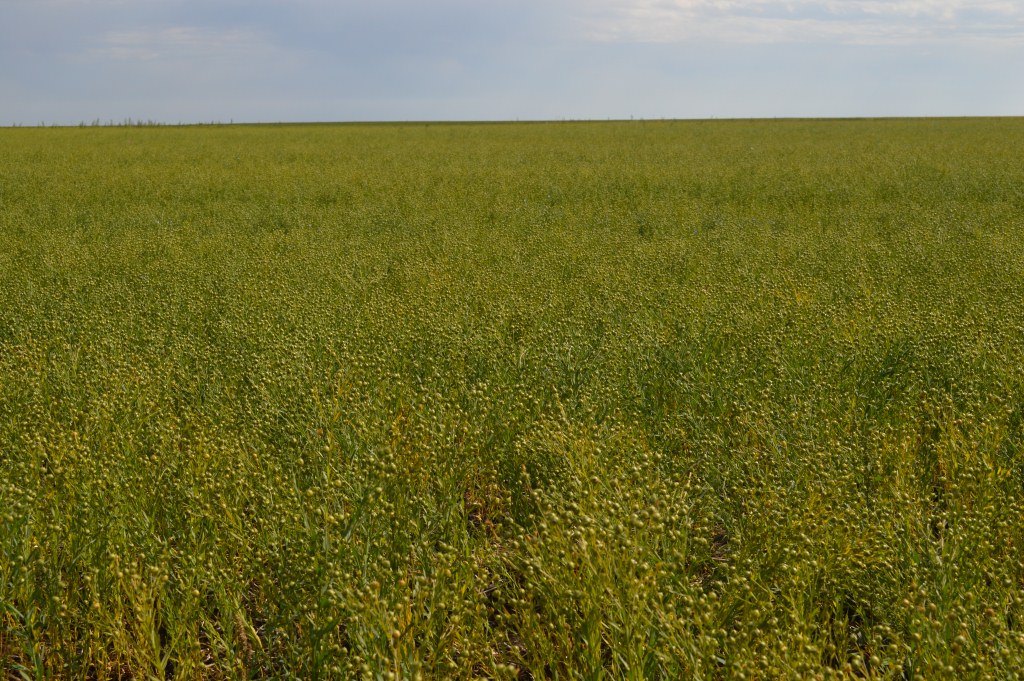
(661, 400)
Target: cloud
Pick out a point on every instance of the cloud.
(851, 22)
(174, 42)
(171, 60)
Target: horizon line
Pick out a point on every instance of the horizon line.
(149, 123)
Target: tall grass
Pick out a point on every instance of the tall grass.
(629, 400)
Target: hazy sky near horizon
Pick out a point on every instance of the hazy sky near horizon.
(65, 61)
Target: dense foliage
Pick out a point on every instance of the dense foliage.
(710, 400)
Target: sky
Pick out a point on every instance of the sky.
(71, 61)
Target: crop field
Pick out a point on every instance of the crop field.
(628, 400)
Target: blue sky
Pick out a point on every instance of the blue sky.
(65, 61)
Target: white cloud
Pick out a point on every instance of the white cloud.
(71, 60)
(174, 41)
(787, 21)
